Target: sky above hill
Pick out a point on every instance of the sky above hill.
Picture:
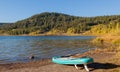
(14, 10)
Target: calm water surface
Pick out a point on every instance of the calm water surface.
(19, 48)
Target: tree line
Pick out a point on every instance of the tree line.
(46, 22)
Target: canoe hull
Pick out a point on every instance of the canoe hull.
(68, 60)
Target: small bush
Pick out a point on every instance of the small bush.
(98, 40)
(116, 41)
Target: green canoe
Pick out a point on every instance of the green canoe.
(69, 60)
(73, 61)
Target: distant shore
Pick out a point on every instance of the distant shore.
(45, 35)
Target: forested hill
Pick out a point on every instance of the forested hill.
(58, 23)
(4, 23)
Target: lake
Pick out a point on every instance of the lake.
(19, 48)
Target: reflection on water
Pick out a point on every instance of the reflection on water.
(19, 48)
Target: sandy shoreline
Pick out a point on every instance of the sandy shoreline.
(102, 64)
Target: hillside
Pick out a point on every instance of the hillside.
(4, 23)
(58, 23)
(1, 23)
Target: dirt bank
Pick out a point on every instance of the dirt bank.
(103, 63)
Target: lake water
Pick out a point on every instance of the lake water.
(19, 48)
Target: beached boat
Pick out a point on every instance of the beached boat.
(73, 61)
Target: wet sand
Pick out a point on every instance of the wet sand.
(103, 63)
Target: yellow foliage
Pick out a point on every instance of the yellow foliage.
(70, 30)
(55, 32)
(35, 33)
